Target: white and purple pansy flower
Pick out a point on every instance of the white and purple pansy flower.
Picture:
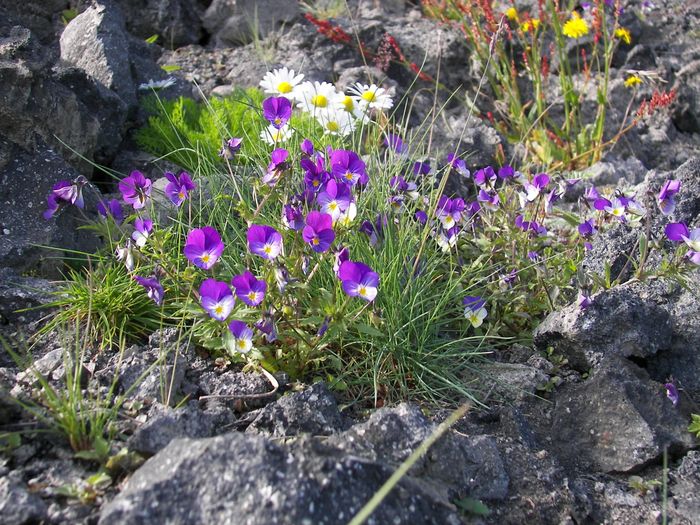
(203, 247)
(216, 299)
(358, 280)
(264, 241)
(249, 289)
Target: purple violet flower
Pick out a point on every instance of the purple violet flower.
(266, 326)
(583, 300)
(449, 211)
(458, 165)
(249, 289)
(475, 310)
(335, 198)
(485, 177)
(672, 393)
(318, 232)
(293, 217)
(135, 189)
(142, 229)
(315, 175)
(324, 327)
(591, 194)
(231, 147)
(447, 239)
(203, 247)
(679, 232)
(277, 166)
(307, 148)
(242, 340)
(348, 167)
(358, 280)
(533, 189)
(178, 188)
(587, 228)
(506, 172)
(375, 231)
(666, 196)
(341, 255)
(153, 288)
(63, 193)
(421, 217)
(113, 209)
(421, 168)
(277, 111)
(216, 299)
(395, 143)
(489, 200)
(264, 241)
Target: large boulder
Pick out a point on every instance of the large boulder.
(96, 41)
(617, 421)
(243, 478)
(176, 22)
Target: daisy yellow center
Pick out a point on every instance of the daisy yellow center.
(575, 27)
(284, 87)
(277, 135)
(369, 96)
(320, 101)
(332, 126)
(348, 104)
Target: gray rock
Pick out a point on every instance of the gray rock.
(512, 380)
(19, 293)
(475, 467)
(688, 200)
(611, 250)
(17, 505)
(615, 172)
(242, 478)
(165, 424)
(25, 181)
(617, 421)
(619, 322)
(154, 372)
(177, 22)
(685, 488)
(96, 42)
(312, 411)
(235, 22)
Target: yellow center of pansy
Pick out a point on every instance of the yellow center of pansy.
(315, 241)
(267, 249)
(252, 296)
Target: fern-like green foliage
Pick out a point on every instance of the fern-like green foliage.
(191, 133)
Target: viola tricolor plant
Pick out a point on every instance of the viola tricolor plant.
(330, 248)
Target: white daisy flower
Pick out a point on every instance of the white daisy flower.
(335, 122)
(316, 96)
(272, 135)
(157, 84)
(372, 97)
(347, 103)
(281, 82)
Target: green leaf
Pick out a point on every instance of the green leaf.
(169, 68)
(369, 330)
(695, 425)
(152, 39)
(101, 480)
(473, 506)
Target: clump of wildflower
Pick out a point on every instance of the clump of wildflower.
(153, 288)
(371, 96)
(264, 241)
(216, 299)
(178, 188)
(135, 189)
(575, 27)
(203, 247)
(511, 13)
(358, 280)
(335, 198)
(679, 232)
(532, 24)
(475, 310)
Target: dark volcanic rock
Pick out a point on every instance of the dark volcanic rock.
(617, 421)
(96, 42)
(618, 323)
(313, 411)
(242, 478)
(18, 506)
(685, 487)
(177, 22)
